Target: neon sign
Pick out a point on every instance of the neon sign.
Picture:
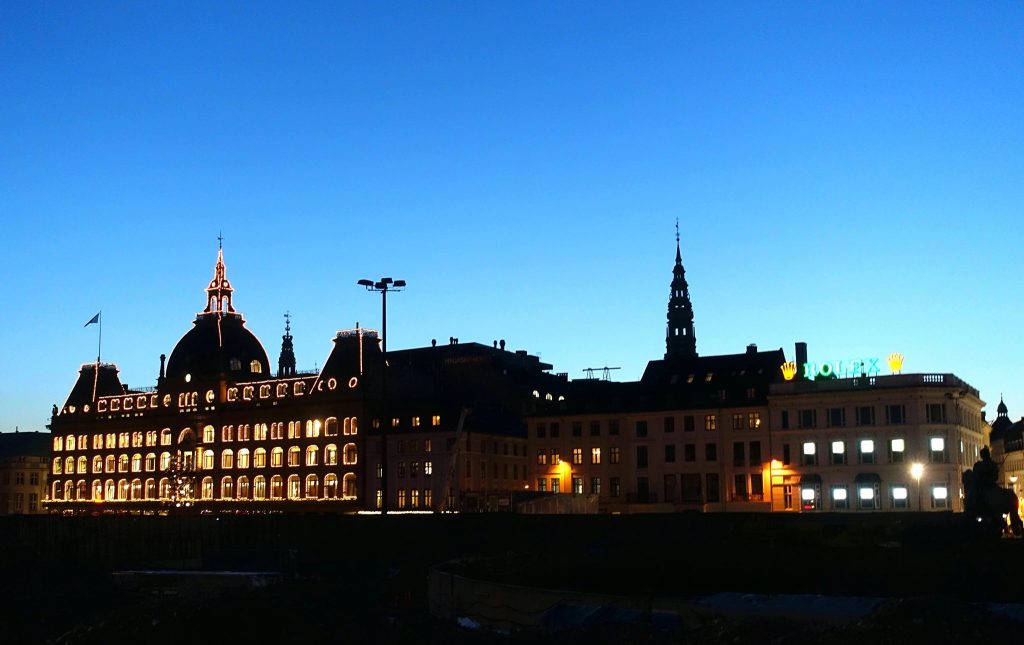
(851, 368)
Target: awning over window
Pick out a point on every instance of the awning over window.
(810, 479)
(868, 478)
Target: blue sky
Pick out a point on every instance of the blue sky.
(847, 174)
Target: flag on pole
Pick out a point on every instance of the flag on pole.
(94, 319)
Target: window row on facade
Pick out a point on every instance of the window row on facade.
(867, 496)
(229, 488)
(207, 460)
(864, 451)
(868, 415)
(750, 420)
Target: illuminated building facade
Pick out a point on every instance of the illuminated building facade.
(219, 433)
(755, 432)
(24, 459)
(850, 444)
(1007, 439)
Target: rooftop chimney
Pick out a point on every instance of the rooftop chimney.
(752, 348)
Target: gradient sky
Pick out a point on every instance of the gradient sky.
(850, 174)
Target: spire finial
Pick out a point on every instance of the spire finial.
(287, 322)
(679, 257)
(220, 238)
(677, 231)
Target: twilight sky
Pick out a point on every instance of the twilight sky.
(850, 174)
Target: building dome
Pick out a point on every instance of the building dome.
(1002, 409)
(218, 345)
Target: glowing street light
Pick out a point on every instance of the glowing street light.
(916, 470)
(383, 286)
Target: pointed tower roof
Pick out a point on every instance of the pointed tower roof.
(680, 337)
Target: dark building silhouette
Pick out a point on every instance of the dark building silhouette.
(680, 341)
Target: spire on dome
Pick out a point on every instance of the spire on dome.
(218, 294)
(286, 361)
(680, 339)
(1002, 410)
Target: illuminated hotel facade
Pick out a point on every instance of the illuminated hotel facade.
(219, 433)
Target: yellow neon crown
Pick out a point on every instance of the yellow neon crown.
(896, 362)
(788, 370)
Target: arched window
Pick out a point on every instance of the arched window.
(235, 365)
(69, 465)
(282, 389)
(243, 431)
(165, 437)
(294, 487)
(207, 459)
(122, 489)
(227, 459)
(110, 466)
(70, 443)
(122, 463)
(312, 487)
(185, 458)
(259, 458)
(136, 490)
(165, 461)
(151, 489)
(97, 464)
(109, 490)
(58, 444)
(255, 367)
(209, 434)
(97, 490)
(349, 454)
(276, 487)
(227, 433)
(69, 490)
(164, 488)
(83, 465)
(58, 466)
(311, 454)
(259, 487)
(331, 427)
(313, 428)
(243, 487)
(331, 455)
(81, 490)
(277, 457)
(57, 491)
(150, 464)
(331, 486)
(207, 488)
(136, 463)
(227, 488)
(243, 458)
(294, 456)
(151, 438)
(349, 486)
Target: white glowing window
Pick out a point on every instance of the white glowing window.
(838, 447)
(807, 494)
(940, 492)
(867, 492)
(837, 494)
(188, 379)
(867, 445)
(897, 445)
(809, 450)
(938, 444)
(899, 492)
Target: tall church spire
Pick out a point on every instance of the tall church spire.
(680, 339)
(286, 362)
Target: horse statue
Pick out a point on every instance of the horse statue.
(986, 501)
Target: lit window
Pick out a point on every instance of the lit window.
(428, 468)
(937, 444)
(838, 447)
(243, 487)
(394, 422)
(294, 456)
(867, 446)
(227, 459)
(940, 492)
(259, 487)
(867, 492)
(312, 487)
(807, 494)
(809, 449)
(255, 367)
(259, 458)
(294, 487)
(276, 487)
(227, 488)
(330, 455)
(435, 420)
(331, 428)
(207, 488)
(165, 437)
(577, 455)
(838, 494)
(899, 492)
(208, 434)
(276, 458)
(349, 454)
(415, 422)
(595, 455)
(311, 455)
(207, 463)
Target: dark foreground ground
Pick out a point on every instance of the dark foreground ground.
(364, 579)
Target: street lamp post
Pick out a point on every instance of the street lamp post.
(916, 470)
(383, 286)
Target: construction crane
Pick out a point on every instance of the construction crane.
(605, 372)
(453, 466)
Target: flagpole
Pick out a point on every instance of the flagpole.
(99, 343)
